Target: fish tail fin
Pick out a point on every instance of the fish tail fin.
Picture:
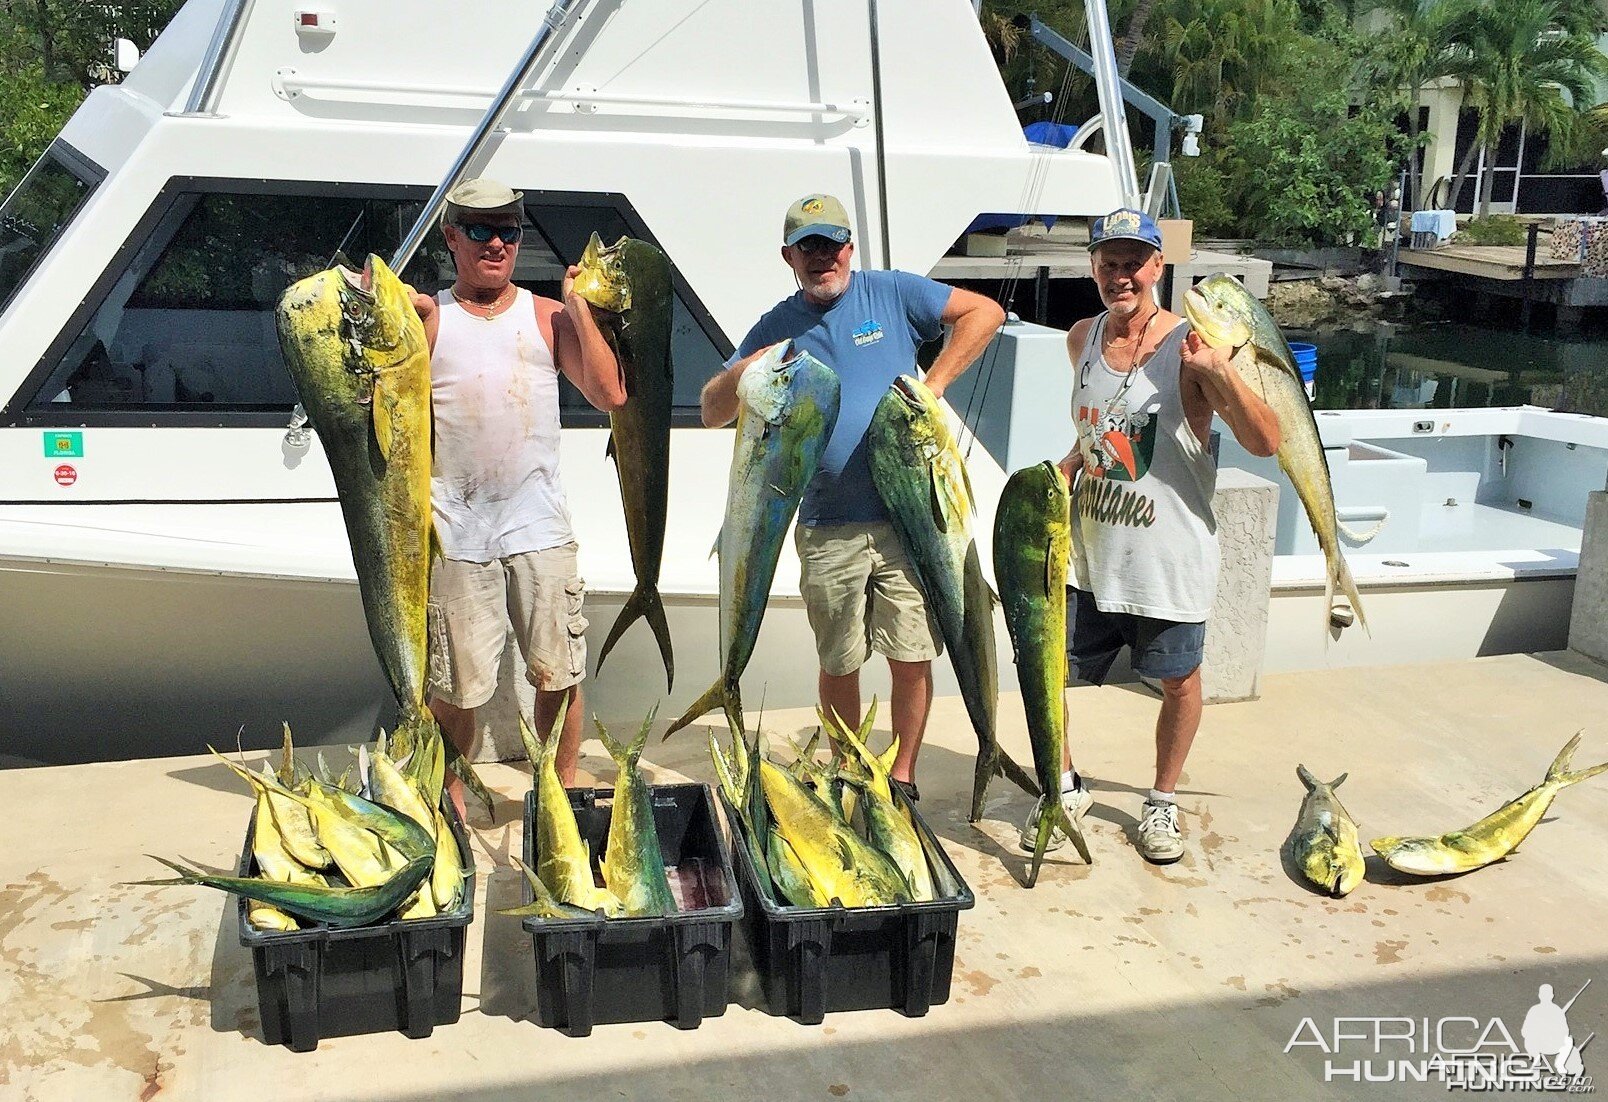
(1306, 776)
(716, 697)
(1559, 772)
(465, 772)
(1338, 781)
(616, 749)
(186, 876)
(1073, 829)
(1006, 766)
(1339, 575)
(1041, 842)
(643, 602)
(638, 744)
(1560, 764)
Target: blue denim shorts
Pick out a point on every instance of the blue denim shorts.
(1162, 649)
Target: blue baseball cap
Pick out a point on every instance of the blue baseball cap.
(1125, 224)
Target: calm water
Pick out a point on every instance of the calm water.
(1442, 365)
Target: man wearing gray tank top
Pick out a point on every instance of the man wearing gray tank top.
(496, 352)
(1144, 543)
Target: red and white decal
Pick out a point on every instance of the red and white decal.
(66, 474)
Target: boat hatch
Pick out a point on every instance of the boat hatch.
(180, 327)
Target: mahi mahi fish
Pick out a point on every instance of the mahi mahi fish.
(633, 862)
(835, 860)
(921, 478)
(1493, 837)
(630, 281)
(786, 409)
(1032, 540)
(357, 352)
(563, 859)
(1226, 315)
(1323, 843)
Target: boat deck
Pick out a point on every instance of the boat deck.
(1120, 980)
(1501, 262)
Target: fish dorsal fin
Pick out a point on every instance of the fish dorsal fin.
(610, 452)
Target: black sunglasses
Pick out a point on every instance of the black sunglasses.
(819, 245)
(482, 232)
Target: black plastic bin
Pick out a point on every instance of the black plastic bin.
(814, 961)
(322, 982)
(677, 967)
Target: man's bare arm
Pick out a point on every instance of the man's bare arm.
(975, 319)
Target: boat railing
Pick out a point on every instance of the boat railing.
(215, 63)
(289, 84)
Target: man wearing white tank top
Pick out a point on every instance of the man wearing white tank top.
(1144, 543)
(496, 352)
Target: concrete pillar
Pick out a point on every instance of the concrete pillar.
(1588, 619)
(1247, 509)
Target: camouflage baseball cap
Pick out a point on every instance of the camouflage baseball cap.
(481, 196)
(816, 214)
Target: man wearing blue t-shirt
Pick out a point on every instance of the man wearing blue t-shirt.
(858, 588)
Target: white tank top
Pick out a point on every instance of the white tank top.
(494, 487)
(1143, 533)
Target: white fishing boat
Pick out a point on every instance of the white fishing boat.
(172, 561)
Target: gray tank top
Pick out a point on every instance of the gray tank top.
(1143, 534)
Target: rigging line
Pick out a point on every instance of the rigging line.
(1034, 182)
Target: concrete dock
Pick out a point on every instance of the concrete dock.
(1116, 981)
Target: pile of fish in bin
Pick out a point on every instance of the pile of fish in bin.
(820, 833)
(349, 851)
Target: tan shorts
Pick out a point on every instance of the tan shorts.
(471, 606)
(861, 595)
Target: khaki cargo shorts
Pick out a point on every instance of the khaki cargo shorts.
(861, 595)
(471, 606)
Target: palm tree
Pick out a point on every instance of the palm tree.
(1421, 46)
(1521, 65)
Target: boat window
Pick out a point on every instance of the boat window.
(186, 325)
(697, 347)
(189, 323)
(34, 216)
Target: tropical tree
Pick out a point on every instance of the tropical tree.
(1224, 55)
(51, 53)
(1521, 65)
(1422, 45)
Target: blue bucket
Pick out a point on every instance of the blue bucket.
(1306, 362)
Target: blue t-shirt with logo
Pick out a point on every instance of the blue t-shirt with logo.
(869, 336)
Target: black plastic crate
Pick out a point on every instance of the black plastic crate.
(323, 982)
(814, 961)
(677, 967)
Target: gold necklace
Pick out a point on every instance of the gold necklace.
(491, 311)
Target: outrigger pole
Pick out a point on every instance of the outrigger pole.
(1119, 146)
(500, 105)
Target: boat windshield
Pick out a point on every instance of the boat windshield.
(33, 217)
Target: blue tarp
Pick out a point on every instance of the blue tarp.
(1058, 134)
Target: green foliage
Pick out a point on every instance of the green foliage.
(1203, 196)
(52, 52)
(1300, 169)
(35, 110)
(1493, 229)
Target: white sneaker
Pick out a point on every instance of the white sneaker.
(1161, 842)
(1077, 803)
